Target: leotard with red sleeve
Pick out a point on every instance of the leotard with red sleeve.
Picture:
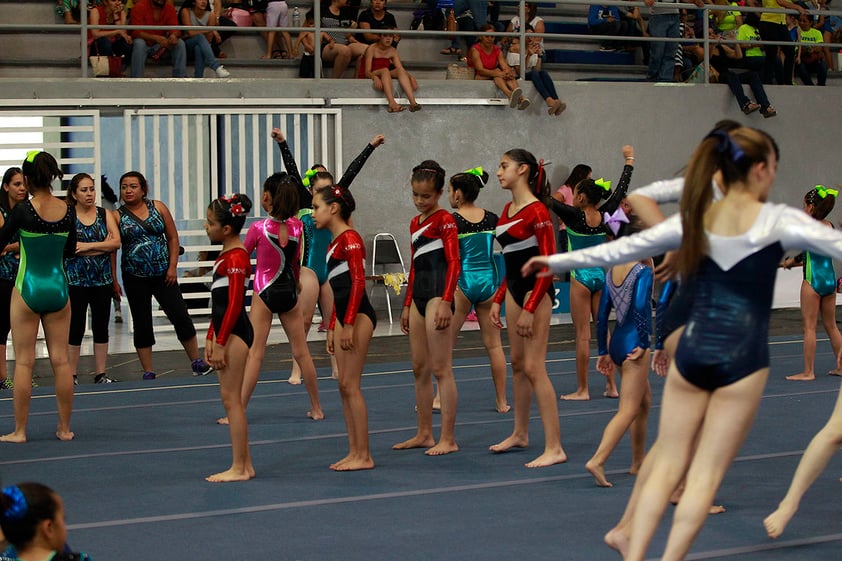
(346, 275)
(435, 259)
(228, 313)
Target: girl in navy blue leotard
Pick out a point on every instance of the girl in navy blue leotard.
(628, 290)
(47, 235)
(729, 252)
(230, 333)
(818, 289)
(585, 227)
(428, 309)
(525, 230)
(352, 320)
(479, 277)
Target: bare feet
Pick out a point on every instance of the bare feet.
(230, 475)
(316, 414)
(504, 408)
(835, 372)
(802, 377)
(548, 459)
(222, 421)
(611, 394)
(437, 404)
(576, 396)
(334, 374)
(598, 473)
(716, 509)
(443, 448)
(294, 379)
(514, 441)
(416, 441)
(334, 465)
(617, 540)
(14, 437)
(353, 464)
(635, 468)
(64, 435)
(776, 522)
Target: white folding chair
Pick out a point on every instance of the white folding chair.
(386, 258)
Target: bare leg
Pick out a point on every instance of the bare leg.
(610, 383)
(261, 320)
(294, 327)
(230, 388)
(340, 55)
(828, 311)
(386, 82)
(326, 304)
(353, 403)
(580, 313)
(821, 449)
(440, 351)
(421, 369)
(24, 332)
(100, 358)
(406, 86)
(73, 354)
(497, 358)
(56, 326)
(144, 355)
(809, 315)
(307, 298)
(635, 388)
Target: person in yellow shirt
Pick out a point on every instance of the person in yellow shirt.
(810, 58)
(773, 28)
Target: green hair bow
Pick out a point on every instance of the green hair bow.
(30, 156)
(824, 191)
(307, 176)
(475, 171)
(605, 184)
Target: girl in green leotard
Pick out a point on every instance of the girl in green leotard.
(47, 228)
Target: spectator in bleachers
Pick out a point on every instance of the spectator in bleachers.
(773, 28)
(539, 77)
(109, 42)
(533, 20)
(831, 28)
(381, 63)
(68, 10)
(688, 55)
(306, 41)
(198, 12)
(810, 59)
(257, 10)
(488, 62)
(346, 48)
(606, 20)
(725, 22)
(157, 42)
(637, 28)
(277, 15)
(750, 68)
(376, 17)
(663, 22)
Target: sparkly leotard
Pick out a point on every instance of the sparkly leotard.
(276, 272)
(726, 333)
(346, 274)
(435, 260)
(819, 273)
(479, 278)
(228, 290)
(41, 280)
(632, 300)
(581, 235)
(525, 235)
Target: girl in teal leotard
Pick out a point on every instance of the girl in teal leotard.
(47, 228)
(818, 289)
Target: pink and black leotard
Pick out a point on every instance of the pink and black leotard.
(277, 269)
(228, 313)
(435, 260)
(346, 275)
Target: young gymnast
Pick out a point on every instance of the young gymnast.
(585, 228)
(230, 333)
(277, 240)
(380, 64)
(628, 290)
(525, 230)
(47, 228)
(428, 309)
(32, 521)
(730, 250)
(314, 287)
(352, 319)
(13, 191)
(479, 276)
(818, 290)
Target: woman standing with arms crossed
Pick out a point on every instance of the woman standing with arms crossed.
(13, 192)
(149, 262)
(47, 235)
(89, 273)
(525, 230)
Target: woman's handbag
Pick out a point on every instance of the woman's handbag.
(105, 66)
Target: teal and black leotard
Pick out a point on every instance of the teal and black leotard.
(581, 235)
(316, 242)
(479, 277)
(41, 279)
(819, 273)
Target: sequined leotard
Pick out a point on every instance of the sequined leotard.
(479, 278)
(632, 300)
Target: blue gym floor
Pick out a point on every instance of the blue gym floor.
(133, 480)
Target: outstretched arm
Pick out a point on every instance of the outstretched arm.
(358, 163)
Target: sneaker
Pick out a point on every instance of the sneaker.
(201, 368)
(523, 103)
(149, 376)
(221, 72)
(7, 384)
(322, 328)
(75, 380)
(118, 317)
(516, 95)
(103, 379)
